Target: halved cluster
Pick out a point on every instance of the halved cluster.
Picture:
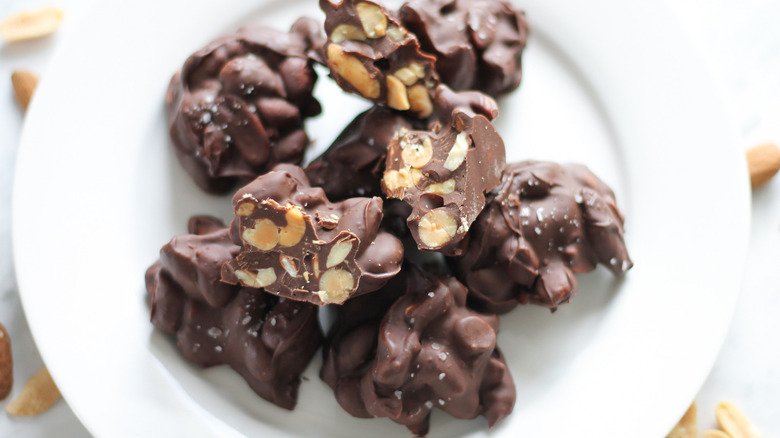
(298, 245)
(237, 106)
(543, 224)
(268, 340)
(443, 174)
(427, 350)
(369, 53)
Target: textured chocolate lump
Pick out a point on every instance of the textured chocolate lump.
(269, 341)
(370, 54)
(297, 244)
(426, 350)
(237, 106)
(478, 44)
(543, 224)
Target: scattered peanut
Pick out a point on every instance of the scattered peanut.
(763, 163)
(687, 426)
(31, 24)
(734, 422)
(714, 434)
(24, 83)
(38, 395)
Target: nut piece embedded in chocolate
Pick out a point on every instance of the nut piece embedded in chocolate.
(428, 351)
(543, 224)
(353, 164)
(237, 107)
(369, 53)
(297, 244)
(444, 174)
(268, 340)
(478, 44)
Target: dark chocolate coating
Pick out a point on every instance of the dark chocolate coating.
(543, 224)
(353, 165)
(428, 351)
(297, 244)
(266, 339)
(444, 174)
(237, 106)
(369, 53)
(478, 44)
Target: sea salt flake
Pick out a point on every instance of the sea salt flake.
(214, 332)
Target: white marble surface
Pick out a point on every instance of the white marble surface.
(740, 39)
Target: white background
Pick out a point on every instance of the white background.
(741, 41)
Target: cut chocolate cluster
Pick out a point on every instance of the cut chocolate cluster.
(267, 340)
(543, 224)
(237, 106)
(369, 53)
(443, 174)
(298, 245)
(426, 350)
(477, 43)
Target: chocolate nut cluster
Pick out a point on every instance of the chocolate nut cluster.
(269, 341)
(543, 224)
(418, 179)
(237, 106)
(298, 245)
(477, 43)
(426, 350)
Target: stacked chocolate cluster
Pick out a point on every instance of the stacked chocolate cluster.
(425, 165)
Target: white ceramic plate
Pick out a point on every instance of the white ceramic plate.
(613, 84)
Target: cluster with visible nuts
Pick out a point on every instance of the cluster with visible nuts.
(369, 53)
(444, 174)
(426, 350)
(543, 224)
(478, 43)
(237, 106)
(268, 340)
(297, 244)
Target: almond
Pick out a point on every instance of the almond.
(763, 163)
(6, 364)
(734, 422)
(687, 427)
(24, 86)
(31, 24)
(38, 395)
